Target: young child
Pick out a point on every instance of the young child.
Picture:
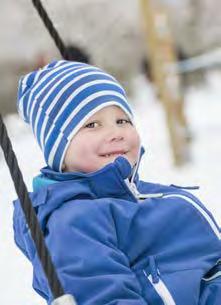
(113, 238)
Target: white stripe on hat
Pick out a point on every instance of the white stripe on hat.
(36, 85)
(36, 76)
(56, 97)
(23, 84)
(83, 103)
(48, 83)
(54, 149)
(71, 70)
(66, 75)
(78, 90)
(24, 81)
(31, 93)
(88, 100)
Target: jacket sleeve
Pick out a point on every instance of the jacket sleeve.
(23, 240)
(211, 287)
(83, 244)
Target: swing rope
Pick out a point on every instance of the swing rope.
(51, 29)
(29, 212)
(21, 189)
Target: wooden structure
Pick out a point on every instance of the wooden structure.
(162, 56)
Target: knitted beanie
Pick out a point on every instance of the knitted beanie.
(59, 98)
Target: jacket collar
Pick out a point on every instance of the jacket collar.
(113, 180)
(121, 163)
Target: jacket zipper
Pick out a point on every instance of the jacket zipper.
(132, 186)
(161, 289)
(137, 195)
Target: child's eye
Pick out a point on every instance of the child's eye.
(124, 121)
(91, 125)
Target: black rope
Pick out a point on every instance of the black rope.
(29, 213)
(20, 187)
(51, 29)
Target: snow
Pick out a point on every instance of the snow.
(203, 110)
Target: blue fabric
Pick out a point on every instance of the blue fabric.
(211, 292)
(57, 99)
(109, 247)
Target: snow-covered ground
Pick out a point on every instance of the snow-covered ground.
(203, 107)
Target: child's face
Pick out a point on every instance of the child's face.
(105, 136)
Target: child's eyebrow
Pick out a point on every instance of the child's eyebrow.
(92, 121)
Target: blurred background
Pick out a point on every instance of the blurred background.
(167, 55)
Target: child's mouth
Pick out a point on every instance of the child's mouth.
(114, 154)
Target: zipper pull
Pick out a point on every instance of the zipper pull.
(135, 190)
(149, 196)
(153, 270)
(138, 195)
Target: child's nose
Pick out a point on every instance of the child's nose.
(115, 135)
(117, 138)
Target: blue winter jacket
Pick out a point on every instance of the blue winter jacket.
(116, 240)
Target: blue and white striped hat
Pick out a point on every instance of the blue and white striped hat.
(59, 98)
